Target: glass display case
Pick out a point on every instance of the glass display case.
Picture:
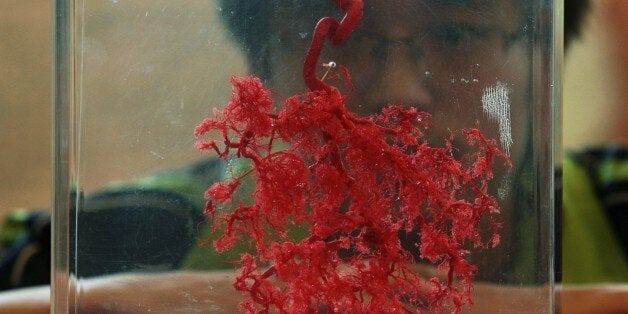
(299, 156)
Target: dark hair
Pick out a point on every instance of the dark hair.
(575, 13)
(248, 20)
(254, 23)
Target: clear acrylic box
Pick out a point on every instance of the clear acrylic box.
(133, 79)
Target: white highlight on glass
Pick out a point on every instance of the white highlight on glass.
(496, 105)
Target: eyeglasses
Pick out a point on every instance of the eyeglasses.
(447, 42)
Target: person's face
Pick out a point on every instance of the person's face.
(442, 57)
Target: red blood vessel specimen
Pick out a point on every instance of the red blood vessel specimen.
(358, 186)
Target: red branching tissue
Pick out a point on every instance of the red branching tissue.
(358, 186)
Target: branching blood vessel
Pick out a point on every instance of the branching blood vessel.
(357, 186)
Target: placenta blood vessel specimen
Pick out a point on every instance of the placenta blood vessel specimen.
(358, 186)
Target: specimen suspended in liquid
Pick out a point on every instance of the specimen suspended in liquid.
(358, 186)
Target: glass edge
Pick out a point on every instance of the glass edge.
(547, 67)
(62, 141)
(557, 153)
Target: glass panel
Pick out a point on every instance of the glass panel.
(415, 161)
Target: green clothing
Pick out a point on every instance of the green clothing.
(592, 250)
(157, 223)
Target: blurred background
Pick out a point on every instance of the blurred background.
(595, 95)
